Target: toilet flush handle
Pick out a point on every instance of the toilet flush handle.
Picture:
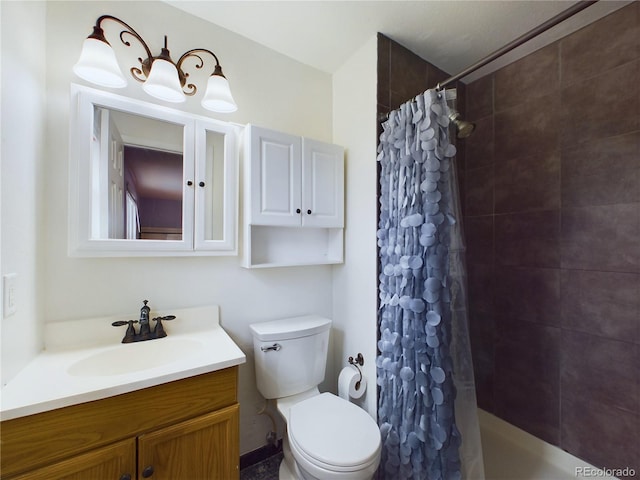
(275, 347)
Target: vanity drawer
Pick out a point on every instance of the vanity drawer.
(37, 440)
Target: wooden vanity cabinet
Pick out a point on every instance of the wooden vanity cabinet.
(182, 430)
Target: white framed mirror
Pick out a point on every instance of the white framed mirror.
(146, 180)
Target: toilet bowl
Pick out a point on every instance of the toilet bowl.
(327, 437)
(331, 438)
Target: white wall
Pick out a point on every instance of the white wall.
(355, 282)
(271, 90)
(22, 125)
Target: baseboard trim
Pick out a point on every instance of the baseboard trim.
(256, 456)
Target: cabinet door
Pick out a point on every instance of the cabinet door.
(216, 187)
(117, 462)
(203, 448)
(275, 172)
(145, 186)
(322, 184)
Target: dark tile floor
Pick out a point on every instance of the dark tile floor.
(265, 470)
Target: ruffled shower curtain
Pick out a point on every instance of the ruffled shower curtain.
(427, 403)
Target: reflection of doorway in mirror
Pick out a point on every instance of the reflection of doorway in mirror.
(153, 179)
(108, 197)
(137, 195)
(132, 218)
(116, 184)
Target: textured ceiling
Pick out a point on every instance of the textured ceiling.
(450, 34)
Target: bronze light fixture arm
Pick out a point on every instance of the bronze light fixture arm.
(200, 64)
(142, 73)
(98, 34)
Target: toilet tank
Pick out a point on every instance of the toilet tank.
(290, 354)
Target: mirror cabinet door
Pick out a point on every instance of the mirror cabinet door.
(137, 166)
(148, 180)
(216, 187)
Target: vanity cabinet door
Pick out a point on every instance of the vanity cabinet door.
(205, 447)
(116, 461)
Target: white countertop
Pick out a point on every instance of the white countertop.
(46, 383)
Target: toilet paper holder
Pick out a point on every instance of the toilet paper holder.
(357, 362)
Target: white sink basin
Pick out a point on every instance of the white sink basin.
(83, 360)
(135, 357)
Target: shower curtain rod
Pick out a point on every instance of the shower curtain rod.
(543, 27)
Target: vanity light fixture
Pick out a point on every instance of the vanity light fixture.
(161, 77)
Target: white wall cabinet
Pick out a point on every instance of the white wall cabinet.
(177, 194)
(294, 200)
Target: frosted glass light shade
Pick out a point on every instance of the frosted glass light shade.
(218, 97)
(97, 64)
(163, 82)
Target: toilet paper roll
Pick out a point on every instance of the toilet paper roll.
(347, 381)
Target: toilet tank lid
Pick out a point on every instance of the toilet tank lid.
(288, 328)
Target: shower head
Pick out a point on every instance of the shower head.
(463, 127)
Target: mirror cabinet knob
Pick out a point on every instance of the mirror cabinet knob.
(201, 184)
(308, 212)
(298, 210)
(189, 182)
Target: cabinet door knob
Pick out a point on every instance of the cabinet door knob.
(308, 212)
(201, 184)
(147, 472)
(125, 476)
(298, 210)
(189, 182)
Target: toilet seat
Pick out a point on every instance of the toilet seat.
(333, 434)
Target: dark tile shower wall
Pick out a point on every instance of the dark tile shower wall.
(402, 75)
(553, 233)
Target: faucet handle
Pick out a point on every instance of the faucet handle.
(130, 333)
(121, 323)
(159, 331)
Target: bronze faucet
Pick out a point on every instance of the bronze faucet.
(145, 332)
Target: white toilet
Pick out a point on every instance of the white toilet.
(327, 437)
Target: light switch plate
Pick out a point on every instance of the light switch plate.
(9, 294)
